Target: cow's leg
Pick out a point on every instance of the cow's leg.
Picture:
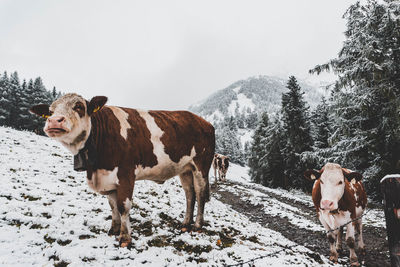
(332, 245)
(351, 244)
(360, 241)
(215, 174)
(116, 217)
(200, 188)
(187, 184)
(124, 204)
(339, 239)
(331, 238)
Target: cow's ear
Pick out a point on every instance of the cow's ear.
(312, 175)
(41, 110)
(352, 175)
(95, 104)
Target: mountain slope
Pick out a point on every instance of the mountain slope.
(255, 94)
(49, 216)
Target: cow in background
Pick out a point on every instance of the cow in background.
(220, 163)
(117, 146)
(339, 197)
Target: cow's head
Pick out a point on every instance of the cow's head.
(68, 119)
(332, 180)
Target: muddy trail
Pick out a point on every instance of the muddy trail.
(374, 237)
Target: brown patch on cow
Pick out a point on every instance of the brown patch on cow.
(331, 239)
(316, 194)
(348, 202)
(179, 138)
(80, 109)
(113, 150)
(350, 242)
(361, 195)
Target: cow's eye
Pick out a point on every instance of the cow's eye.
(340, 182)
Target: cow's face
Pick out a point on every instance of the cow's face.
(332, 180)
(68, 118)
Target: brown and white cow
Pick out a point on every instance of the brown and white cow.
(117, 146)
(220, 163)
(339, 197)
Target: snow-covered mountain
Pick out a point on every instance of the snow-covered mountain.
(253, 95)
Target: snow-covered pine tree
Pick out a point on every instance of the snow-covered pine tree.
(296, 132)
(321, 125)
(272, 161)
(4, 99)
(368, 67)
(257, 150)
(227, 141)
(14, 94)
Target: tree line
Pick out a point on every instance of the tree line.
(357, 126)
(17, 97)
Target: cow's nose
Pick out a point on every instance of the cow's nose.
(56, 119)
(326, 204)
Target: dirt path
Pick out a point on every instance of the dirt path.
(374, 237)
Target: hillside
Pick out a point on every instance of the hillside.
(253, 95)
(50, 216)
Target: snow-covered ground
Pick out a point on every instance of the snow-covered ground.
(49, 216)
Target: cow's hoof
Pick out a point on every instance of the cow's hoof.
(363, 251)
(355, 263)
(125, 244)
(186, 228)
(333, 258)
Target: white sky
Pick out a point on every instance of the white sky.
(165, 54)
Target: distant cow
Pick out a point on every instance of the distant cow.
(339, 197)
(117, 146)
(220, 163)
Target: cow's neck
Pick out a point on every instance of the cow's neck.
(79, 142)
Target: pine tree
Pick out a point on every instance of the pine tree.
(272, 161)
(368, 90)
(15, 93)
(296, 131)
(257, 169)
(5, 103)
(321, 123)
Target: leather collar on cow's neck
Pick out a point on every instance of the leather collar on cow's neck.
(86, 157)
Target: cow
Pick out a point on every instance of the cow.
(220, 163)
(339, 197)
(117, 146)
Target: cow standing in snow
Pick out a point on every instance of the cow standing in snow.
(339, 197)
(117, 146)
(220, 163)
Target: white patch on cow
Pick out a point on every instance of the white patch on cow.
(125, 226)
(73, 124)
(122, 116)
(331, 189)
(103, 180)
(334, 220)
(165, 167)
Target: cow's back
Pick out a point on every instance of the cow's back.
(155, 143)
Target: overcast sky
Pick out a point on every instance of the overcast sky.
(165, 54)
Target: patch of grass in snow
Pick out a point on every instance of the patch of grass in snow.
(63, 242)
(49, 239)
(38, 226)
(61, 264)
(30, 198)
(82, 237)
